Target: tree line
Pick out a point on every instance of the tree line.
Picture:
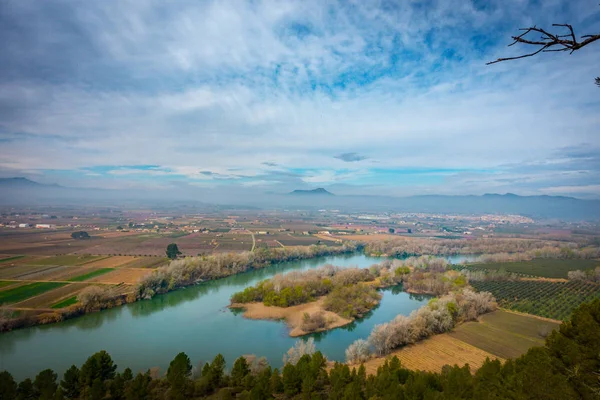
(566, 367)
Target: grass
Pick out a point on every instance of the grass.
(504, 334)
(65, 303)
(24, 292)
(547, 268)
(67, 260)
(555, 300)
(11, 258)
(6, 283)
(91, 275)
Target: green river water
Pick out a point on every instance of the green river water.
(195, 320)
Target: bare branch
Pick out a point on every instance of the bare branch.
(549, 42)
(598, 81)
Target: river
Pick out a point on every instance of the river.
(194, 320)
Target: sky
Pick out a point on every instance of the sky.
(359, 97)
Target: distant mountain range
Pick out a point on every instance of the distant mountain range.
(24, 192)
(314, 192)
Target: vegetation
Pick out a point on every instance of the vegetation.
(66, 302)
(565, 368)
(191, 270)
(544, 267)
(439, 316)
(498, 249)
(7, 259)
(548, 299)
(24, 292)
(301, 287)
(589, 275)
(80, 235)
(91, 274)
(173, 251)
(352, 301)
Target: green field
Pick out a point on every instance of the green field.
(11, 258)
(6, 283)
(65, 303)
(504, 334)
(24, 292)
(555, 300)
(67, 260)
(544, 267)
(91, 275)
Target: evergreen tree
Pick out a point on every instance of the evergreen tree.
(70, 383)
(25, 390)
(178, 376)
(240, 371)
(8, 386)
(45, 384)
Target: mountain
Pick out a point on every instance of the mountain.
(20, 182)
(318, 191)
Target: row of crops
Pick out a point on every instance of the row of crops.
(555, 300)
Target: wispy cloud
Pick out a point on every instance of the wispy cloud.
(205, 92)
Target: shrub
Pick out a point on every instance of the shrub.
(313, 322)
(358, 352)
(300, 348)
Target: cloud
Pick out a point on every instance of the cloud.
(350, 157)
(205, 92)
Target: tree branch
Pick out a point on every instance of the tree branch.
(549, 42)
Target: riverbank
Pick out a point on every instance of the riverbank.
(293, 316)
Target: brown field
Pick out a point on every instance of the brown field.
(433, 353)
(128, 276)
(292, 315)
(368, 238)
(146, 262)
(110, 262)
(45, 300)
(16, 271)
(42, 273)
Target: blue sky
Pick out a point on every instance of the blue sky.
(385, 97)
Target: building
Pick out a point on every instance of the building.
(45, 226)
(23, 225)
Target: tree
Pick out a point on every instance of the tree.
(70, 383)
(8, 386)
(177, 375)
(391, 230)
(80, 235)
(173, 251)
(45, 384)
(239, 371)
(550, 42)
(25, 390)
(98, 367)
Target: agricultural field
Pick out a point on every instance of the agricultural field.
(26, 291)
(544, 267)
(10, 258)
(127, 276)
(47, 298)
(433, 353)
(67, 260)
(111, 262)
(69, 301)
(500, 334)
(146, 262)
(555, 300)
(505, 334)
(92, 274)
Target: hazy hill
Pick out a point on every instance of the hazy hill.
(317, 192)
(22, 191)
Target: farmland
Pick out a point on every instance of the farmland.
(543, 267)
(91, 275)
(26, 291)
(500, 334)
(548, 299)
(66, 302)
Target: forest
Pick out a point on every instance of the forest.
(565, 368)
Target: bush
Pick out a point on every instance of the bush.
(313, 322)
(358, 352)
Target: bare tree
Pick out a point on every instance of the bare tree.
(550, 42)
